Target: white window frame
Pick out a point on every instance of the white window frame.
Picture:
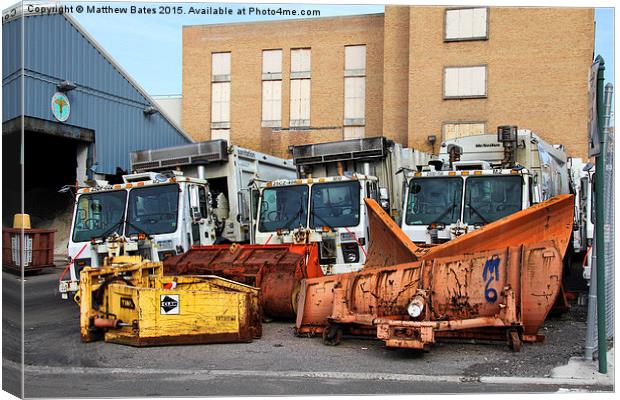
(353, 132)
(272, 64)
(459, 35)
(298, 69)
(462, 92)
(351, 68)
(297, 103)
(271, 113)
(448, 123)
(352, 119)
(218, 121)
(271, 76)
(220, 74)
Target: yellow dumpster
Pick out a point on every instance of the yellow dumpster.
(135, 305)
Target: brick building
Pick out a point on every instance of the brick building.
(406, 74)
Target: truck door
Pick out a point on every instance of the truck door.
(254, 194)
(198, 211)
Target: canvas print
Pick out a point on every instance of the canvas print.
(255, 199)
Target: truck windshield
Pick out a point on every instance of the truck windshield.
(434, 200)
(99, 214)
(153, 210)
(335, 204)
(489, 198)
(284, 207)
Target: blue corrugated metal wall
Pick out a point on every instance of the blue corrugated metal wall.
(103, 101)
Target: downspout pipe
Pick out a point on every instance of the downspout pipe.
(599, 186)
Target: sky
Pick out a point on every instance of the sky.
(149, 47)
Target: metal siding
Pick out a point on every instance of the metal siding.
(104, 101)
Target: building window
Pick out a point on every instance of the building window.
(455, 130)
(465, 82)
(355, 60)
(466, 24)
(354, 91)
(272, 89)
(220, 96)
(353, 132)
(300, 88)
(220, 67)
(272, 64)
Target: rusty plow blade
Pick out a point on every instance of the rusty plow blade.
(498, 283)
(276, 269)
(551, 220)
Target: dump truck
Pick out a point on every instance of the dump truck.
(479, 179)
(325, 204)
(177, 197)
(498, 282)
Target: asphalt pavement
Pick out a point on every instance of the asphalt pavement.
(57, 364)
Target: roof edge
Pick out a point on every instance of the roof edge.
(311, 19)
(125, 74)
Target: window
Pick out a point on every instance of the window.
(489, 198)
(300, 88)
(272, 104)
(272, 89)
(220, 105)
(354, 91)
(300, 63)
(355, 60)
(335, 205)
(300, 103)
(353, 132)
(461, 129)
(284, 207)
(220, 96)
(466, 24)
(99, 214)
(465, 82)
(272, 64)
(153, 210)
(434, 200)
(220, 67)
(354, 99)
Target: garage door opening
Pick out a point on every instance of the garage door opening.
(50, 162)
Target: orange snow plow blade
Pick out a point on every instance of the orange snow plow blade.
(550, 220)
(498, 282)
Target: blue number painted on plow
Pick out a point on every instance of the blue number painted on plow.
(489, 274)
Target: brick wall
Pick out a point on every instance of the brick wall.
(537, 73)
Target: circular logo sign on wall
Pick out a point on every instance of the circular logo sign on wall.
(60, 106)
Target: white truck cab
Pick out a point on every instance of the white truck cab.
(328, 210)
(479, 179)
(153, 214)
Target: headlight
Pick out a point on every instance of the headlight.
(415, 307)
(350, 252)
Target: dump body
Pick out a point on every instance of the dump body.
(229, 170)
(503, 277)
(134, 304)
(375, 156)
(276, 269)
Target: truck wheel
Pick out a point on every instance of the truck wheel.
(332, 335)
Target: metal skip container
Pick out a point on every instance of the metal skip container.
(276, 269)
(135, 304)
(496, 283)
